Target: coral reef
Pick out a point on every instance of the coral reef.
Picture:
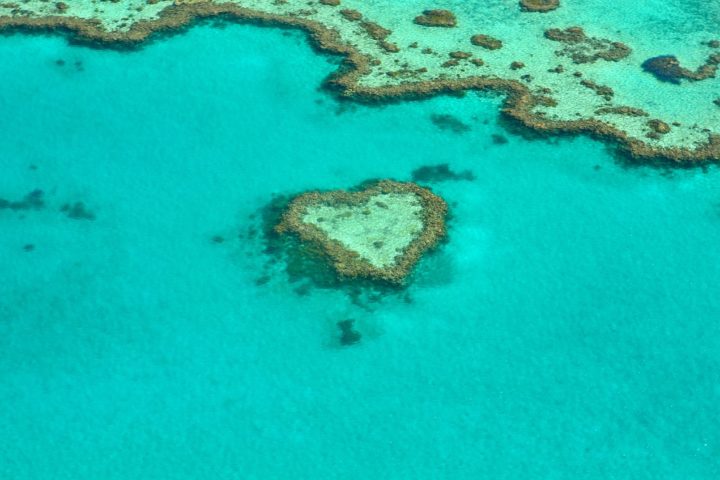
(436, 18)
(604, 91)
(539, 5)
(667, 68)
(622, 110)
(583, 49)
(379, 232)
(375, 70)
(486, 41)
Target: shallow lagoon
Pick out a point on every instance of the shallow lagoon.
(567, 330)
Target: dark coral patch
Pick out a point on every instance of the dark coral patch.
(539, 5)
(32, 201)
(436, 18)
(667, 68)
(77, 211)
(449, 123)
(583, 49)
(486, 41)
(348, 335)
(440, 173)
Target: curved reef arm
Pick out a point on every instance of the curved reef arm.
(552, 90)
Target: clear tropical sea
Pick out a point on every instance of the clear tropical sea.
(568, 329)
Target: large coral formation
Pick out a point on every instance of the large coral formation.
(379, 232)
(376, 70)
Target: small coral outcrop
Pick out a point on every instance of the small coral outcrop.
(436, 18)
(539, 5)
(486, 41)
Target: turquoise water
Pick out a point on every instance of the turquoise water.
(568, 329)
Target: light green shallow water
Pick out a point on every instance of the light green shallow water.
(567, 330)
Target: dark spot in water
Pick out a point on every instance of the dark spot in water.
(597, 167)
(303, 290)
(449, 123)
(262, 280)
(31, 201)
(348, 335)
(217, 239)
(79, 66)
(77, 211)
(440, 173)
(33, 167)
(60, 62)
(344, 107)
(498, 139)
(29, 247)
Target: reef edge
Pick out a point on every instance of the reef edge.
(344, 82)
(346, 262)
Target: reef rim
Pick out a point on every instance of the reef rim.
(348, 263)
(344, 82)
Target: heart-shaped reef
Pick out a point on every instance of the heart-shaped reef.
(379, 232)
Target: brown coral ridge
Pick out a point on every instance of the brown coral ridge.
(541, 6)
(622, 110)
(518, 106)
(601, 90)
(583, 49)
(349, 264)
(436, 18)
(667, 68)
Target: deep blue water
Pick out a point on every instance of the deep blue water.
(568, 329)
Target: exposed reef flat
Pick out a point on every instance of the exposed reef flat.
(379, 232)
(397, 52)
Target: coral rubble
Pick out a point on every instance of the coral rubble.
(583, 49)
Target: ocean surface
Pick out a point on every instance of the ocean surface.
(567, 330)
